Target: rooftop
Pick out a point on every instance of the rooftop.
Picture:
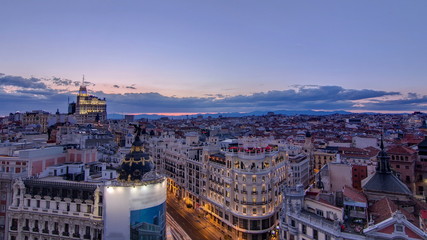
(354, 195)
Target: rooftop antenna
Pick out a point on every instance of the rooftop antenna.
(83, 80)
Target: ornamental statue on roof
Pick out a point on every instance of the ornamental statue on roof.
(136, 163)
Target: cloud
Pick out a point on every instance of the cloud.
(31, 93)
(301, 98)
(116, 86)
(16, 81)
(64, 82)
(131, 86)
(38, 92)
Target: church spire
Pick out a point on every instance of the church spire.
(319, 183)
(383, 159)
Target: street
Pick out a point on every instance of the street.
(195, 226)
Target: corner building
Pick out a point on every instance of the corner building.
(242, 194)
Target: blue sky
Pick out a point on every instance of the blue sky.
(215, 56)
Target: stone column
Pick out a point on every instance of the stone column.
(96, 202)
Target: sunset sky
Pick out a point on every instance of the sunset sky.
(215, 56)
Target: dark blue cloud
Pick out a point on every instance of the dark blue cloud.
(38, 92)
(34, 94)
(64, 82)
(16, 81)
(302, 98)
(131, 87)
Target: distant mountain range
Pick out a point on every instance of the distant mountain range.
(231, 114)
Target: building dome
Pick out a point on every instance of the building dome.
(384, 181)
(136, 163)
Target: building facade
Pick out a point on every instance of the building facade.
(52, 209)
(235, 185)
(242, 193)
(38, 119)
(89, 108)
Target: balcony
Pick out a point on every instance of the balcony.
(255, 203)
(86, 236)
(55, 232)
(357, 214)
(76, 235)
(293, 230)
(35, 229)
(26, 228)
(66, 234)
(45, 231)
(14, 228)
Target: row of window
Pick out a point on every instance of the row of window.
(57, 204)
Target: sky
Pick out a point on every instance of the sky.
(215, 56)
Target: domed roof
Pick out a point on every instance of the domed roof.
(384, 180)
(136, 163)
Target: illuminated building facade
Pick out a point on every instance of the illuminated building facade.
(89, 108)
(135, 204)
(242, 194)
(235, 184)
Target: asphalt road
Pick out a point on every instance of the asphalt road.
(196, 227)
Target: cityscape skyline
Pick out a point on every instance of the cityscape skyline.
(193, 57)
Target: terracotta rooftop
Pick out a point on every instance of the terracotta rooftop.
(354, 195)
(384, 208)
(401, 150)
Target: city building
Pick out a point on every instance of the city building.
(36, 120)
(79, 200)
(299, 166)
(89, 108)
(242, 194)
(305, 217)
(233, 183)
(384, 183)
(16, 163)
(402, 160)
(54, 208)
(322, 157)
(421, 167)
(359, 172)
(135, 203)
(311, 215)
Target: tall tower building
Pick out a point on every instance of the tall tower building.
(89, 108)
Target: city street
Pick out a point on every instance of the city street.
(194, 225)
